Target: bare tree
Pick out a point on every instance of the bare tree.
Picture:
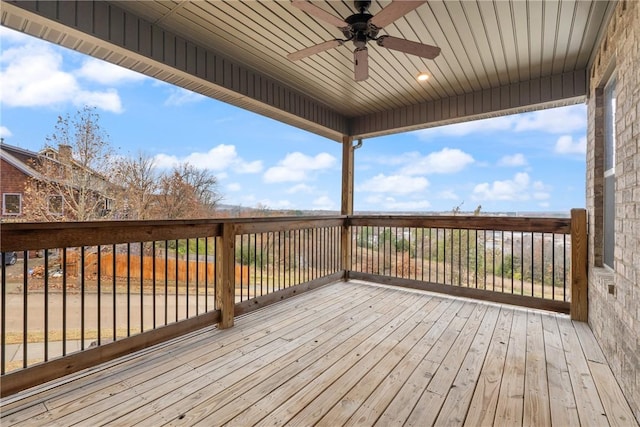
(176, 198)
(204, 184)
(71, 182)
(138, 179)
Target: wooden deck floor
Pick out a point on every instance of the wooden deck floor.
(350, 354)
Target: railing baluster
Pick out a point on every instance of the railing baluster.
(166, 282)
(25, 305)
(141, 287)
(186, 281)
(82, 296)
(115, 293)
(46, 304)
(153, 280)
(3, 315)
(175, 256)
(128, 289)
(64, 299)
(99, 290)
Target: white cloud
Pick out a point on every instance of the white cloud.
(394, 184)
(219, 158)
(323, 203)
(234, 186)
(510, 189)
(5, 132)
(300, 188)
(566, 145)
(107, 73)
(447, 160)
(296, 167)
(179, 97)
(448, 195)
(32, 76)
(513, 160)
(520, 188)
(493, 124)
(556, 120)
(391, 204)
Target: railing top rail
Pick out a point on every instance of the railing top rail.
(40, 235)
(35, 236)
(19, 237)
(498, 223)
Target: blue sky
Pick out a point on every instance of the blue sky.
(521, 163)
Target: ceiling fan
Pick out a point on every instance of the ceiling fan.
(362, 27)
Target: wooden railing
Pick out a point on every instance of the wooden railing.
(84, 293)
(523, 261)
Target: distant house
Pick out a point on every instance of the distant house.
(19, 167)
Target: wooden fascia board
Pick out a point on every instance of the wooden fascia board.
(551, 91)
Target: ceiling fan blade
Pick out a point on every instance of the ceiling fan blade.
(361, 64)
(407, 46)
(395, 10)
(319, 13)
(314, 49)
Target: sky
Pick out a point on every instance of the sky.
(532, 162)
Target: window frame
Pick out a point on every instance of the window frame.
(609, 95)
(61, 212)
(4, 204)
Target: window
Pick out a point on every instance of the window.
(11, 204)
(55, 205)
(609, 171)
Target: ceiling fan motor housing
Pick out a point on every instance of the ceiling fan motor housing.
(360, 30)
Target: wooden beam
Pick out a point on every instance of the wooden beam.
(579, 282)
(225, 275)
(347, 176)
(347, 203)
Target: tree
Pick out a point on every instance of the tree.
(204, 184)
(186, 192)
(177, 199)
(71, 182)
(138, 180)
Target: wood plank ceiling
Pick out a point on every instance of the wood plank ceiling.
(497, 56)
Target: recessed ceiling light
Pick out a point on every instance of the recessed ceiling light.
(422, 77)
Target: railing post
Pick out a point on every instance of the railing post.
(579, 282)
(225, 275)
(346, 247)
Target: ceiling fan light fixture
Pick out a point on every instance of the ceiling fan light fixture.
(422, 77)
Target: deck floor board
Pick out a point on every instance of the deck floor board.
(349, 354)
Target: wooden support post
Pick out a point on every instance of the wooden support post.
(347, 176)
(347, 202)
(579, 282)
(225, 275)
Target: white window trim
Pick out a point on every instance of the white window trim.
(4, 204)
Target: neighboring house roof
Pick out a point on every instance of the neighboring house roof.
(20, 159)
(23, 160)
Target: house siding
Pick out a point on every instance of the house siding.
(614, 295)
(12, 181)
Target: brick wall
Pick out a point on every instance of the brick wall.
(614, 296)
(12, 180)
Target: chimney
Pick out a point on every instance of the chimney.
(64, 153)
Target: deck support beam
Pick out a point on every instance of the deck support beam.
(347, 202)
(579, 282)
(225, 275)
